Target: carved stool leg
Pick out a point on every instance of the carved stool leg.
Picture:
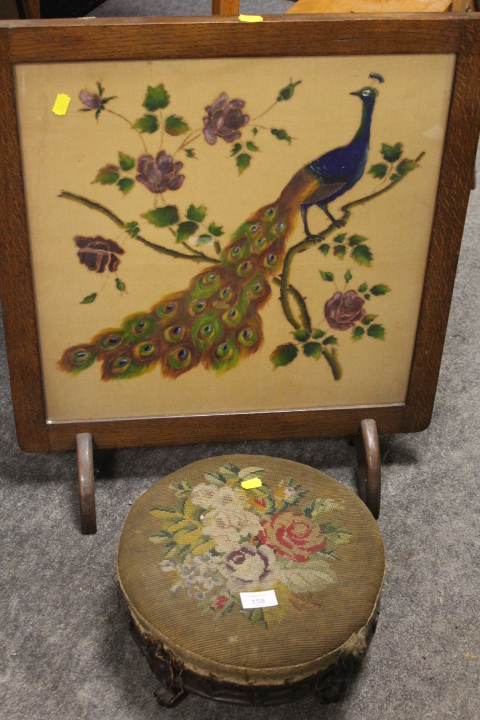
(86, 488)
(369, 469)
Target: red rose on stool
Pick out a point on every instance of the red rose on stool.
(292, 536)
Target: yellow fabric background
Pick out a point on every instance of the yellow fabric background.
(65, 153)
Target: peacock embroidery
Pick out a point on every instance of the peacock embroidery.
(216, 321)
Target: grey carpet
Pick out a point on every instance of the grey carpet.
(66, 653)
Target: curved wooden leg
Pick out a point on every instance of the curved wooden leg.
(369, 469)
(86, 488)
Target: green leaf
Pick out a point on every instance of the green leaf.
(107, 175)
(106, 100)
(287, 92)
(255, 131)
(367, 297)
(243, 161)
(340, 251)
(252, 147)
(284, 354)
(380, 289)
(190, 152)
(301, 335)
(235, 149)
(197, 214)
(156, 98)
(163, 216)
(312, 349)
(318, 334)
(311, 576)
(377, 332)
(120, 285)
(100, 89)
(126, 161)
(324, 248)
(392, 153)
(186, 230)
(405, 166)
(340, 238)
(216, 230)
(356, 240)
(368, 319)
(327, 276)
(358, 333)
(204, 239)
(146, 124)
(378, 171)
(126, 184)
(176, 125)
(132, 228)
(281, 135)
(362, 255)
(88, 299)
(217, 247)
(330, 340)
(348, 276)
(395, 176)
(362, 287)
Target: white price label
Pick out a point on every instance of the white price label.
(266, 598)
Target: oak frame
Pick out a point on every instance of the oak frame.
(115, 39)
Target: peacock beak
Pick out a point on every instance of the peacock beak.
(357, 93)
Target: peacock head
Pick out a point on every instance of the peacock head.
(367, 95)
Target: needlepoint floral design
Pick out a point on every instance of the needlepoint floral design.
(221, 540)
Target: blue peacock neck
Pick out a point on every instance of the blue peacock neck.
(363, 132)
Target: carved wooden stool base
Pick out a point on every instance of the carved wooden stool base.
(176, 682)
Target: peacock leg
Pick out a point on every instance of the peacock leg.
(337, 223)
(303, 210)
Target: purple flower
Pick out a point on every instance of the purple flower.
(97, 252)
(90, 100)
(224, 120)
(248, 566)
(344, 311)
(160, 174)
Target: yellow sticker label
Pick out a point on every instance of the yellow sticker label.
(250, 18)
(252, 483)
(61, 104)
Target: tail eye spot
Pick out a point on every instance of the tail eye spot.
(177, 330)
(80, 355)
(254, 228)
(182, 354)
(114, 340)
(121, 362)
(225, 293)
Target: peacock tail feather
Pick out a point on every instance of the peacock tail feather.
(216, 320)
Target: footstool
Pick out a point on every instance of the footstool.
(196, 541)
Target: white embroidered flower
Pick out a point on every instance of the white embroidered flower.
(290, 493)
(227, 525)
(226, 497)
(204, 495)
